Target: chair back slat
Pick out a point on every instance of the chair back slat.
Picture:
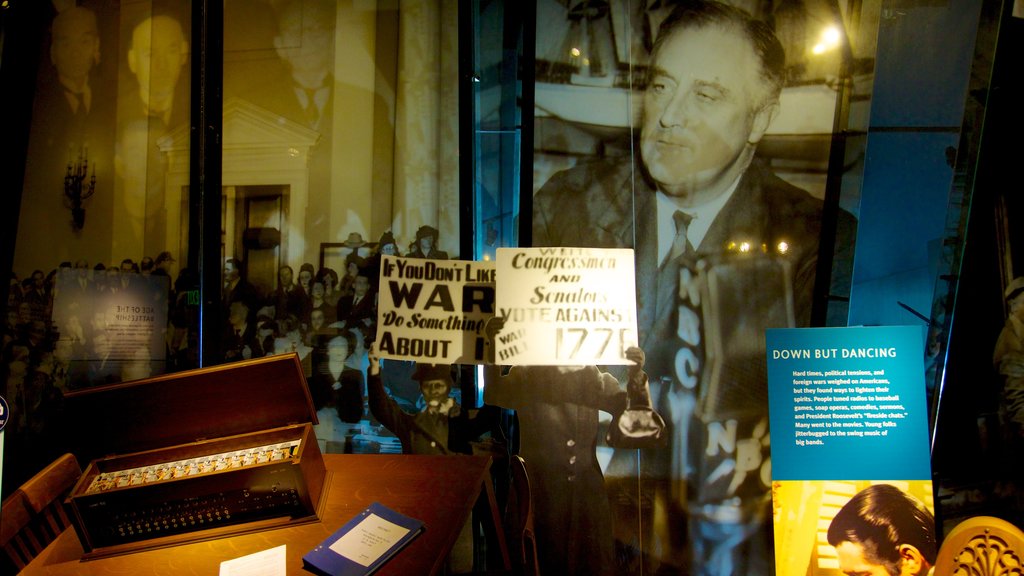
(52, 520)
(19, 534)
(520, 522)
(34, 515)
(52, 482)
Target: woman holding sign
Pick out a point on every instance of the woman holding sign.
(558, 415)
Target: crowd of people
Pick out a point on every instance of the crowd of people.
(64, 332)
(306, 310)
(53, 342)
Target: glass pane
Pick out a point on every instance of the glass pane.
(96, 263)
(726, 114)
(497, 92)
(340, 135)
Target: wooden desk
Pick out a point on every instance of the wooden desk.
(439, 490)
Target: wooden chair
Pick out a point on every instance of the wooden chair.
(519, 521)
(981, 546)
(33, 516)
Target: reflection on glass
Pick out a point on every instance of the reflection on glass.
(720, 121)
(333, 154)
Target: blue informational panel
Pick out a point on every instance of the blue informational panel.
(849, 440)
(848, 403)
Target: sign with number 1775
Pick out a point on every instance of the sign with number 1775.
(565, 306)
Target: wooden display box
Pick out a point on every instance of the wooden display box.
(195, 455)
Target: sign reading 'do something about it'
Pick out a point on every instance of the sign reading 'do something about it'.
(434, 311)
(565, 306)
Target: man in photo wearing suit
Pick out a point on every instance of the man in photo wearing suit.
(75, 50)
(157, 57)
(695, 193)
(359, 311)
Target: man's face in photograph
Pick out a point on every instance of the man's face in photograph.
(306, 37)
(702, 109)
(435, 392)
(361, 286)
(76, 43)
(157, 56)
(337, 349)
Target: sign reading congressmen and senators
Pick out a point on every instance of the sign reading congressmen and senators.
(565, 306)
(434, 310)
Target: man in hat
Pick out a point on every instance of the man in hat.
(426, 244)
(441, 427)
(387, 246)
(355, 247)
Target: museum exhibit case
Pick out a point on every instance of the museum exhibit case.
(198, 184)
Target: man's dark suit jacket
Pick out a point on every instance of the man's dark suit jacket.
(612, 205)
(354, 314)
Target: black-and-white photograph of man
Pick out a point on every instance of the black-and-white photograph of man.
(153, 102)
(157, 56)
(693, 197)
(75, 52)
(298, 84)
(72, 126)
(292, 76)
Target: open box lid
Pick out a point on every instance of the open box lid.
(183, 407)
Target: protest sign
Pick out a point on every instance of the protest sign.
(565, 306)
(434, 310)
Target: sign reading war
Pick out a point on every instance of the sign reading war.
(434, 310)
(565, 306)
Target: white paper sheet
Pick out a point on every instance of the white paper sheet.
(270, 562)
(369, 540)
